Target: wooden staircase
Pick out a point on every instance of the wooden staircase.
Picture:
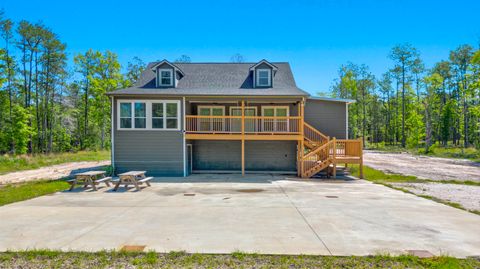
(318, 152)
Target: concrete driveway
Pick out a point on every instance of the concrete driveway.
(260, 213)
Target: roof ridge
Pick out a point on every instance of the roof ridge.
(218, 62)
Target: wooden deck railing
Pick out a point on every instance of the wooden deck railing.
(349, 148)
(314, 135)
(233, 124)
(317, 157)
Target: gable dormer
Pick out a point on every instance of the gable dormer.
(166, 74)
(263, 74)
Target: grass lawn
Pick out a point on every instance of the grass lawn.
(11, 163)
(24, 191)
(107, 259)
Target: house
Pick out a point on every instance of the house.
(183, 118)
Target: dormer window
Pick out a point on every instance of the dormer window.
(167, 74)
(264, 77)
(166, 77)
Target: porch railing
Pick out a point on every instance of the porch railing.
(349, 148)
(313, 135)
(233, 124)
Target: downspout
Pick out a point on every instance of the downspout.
(346, 121)
(112, 146)
(184, 142)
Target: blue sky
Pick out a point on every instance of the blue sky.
(316, 37)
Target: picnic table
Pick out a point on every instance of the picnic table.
(135, 178)
(91, 178)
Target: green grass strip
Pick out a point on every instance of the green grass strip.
(19, 192)
(179, 259)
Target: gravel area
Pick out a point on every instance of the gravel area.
(423, 167)
(51, 172)
(465, 195)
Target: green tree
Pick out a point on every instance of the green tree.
(460, 59)
(404, 57)
(134, 70)
(433, 83)
(183, 59)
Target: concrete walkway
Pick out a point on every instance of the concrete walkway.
(266, 215)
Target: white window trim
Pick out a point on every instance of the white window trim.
(251, 125)
(274, 107)
(269, 77)
(148, 107)
(275, 115)
(237, 107)
(211, 119)
(119, 117)
(210, 107)
(160, 70)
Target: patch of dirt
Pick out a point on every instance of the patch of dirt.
(465, 195)
(424, 167)
(250, 190)
(51, 172)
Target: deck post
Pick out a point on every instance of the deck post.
(334, 157)
(298, 158)
(361, 158)
(243, 138)
(302, 146)
(299, 141)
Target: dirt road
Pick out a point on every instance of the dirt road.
(51, 172)
(424, 167)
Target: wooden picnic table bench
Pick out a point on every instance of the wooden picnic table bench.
(90, 178)
(135, 178)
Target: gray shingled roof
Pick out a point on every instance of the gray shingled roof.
(216, 79)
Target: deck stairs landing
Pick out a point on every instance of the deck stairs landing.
(320, 151)
(316, 156)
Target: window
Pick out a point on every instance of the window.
(166, 77)
(275, 120)
(172, 116)
(125, 115)
(213, 123)
(263, 77)
(157, 116)
(162, 120)
(140, 116)
(149, 115)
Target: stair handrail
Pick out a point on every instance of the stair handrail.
(313, 129)
(324, 153)
(313, 152)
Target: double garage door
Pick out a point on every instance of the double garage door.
(259, 155)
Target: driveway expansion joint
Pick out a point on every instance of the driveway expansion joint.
(304, 219)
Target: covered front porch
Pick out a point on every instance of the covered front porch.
(244, 119)
(217, 131)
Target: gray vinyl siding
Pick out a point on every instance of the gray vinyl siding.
(328, 117)
(217, 155)
(160, 153)
(259, 155)
(270, 155)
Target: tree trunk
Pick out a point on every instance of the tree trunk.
(37, 113)
(403, 107)
(85, 131)
(10, 92)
